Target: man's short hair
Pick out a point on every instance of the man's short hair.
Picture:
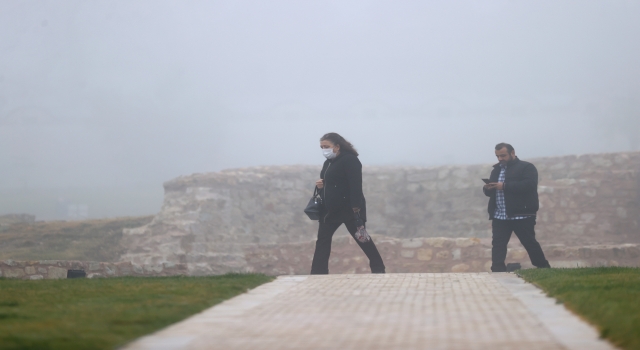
(502, 145)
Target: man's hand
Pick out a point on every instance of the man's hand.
(320, 183)
(494, 186)
(356, 210)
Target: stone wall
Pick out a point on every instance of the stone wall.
(439, 254)
(210, 222)
(57, 269)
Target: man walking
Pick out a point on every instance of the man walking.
(513, 203)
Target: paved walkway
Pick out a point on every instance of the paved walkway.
(392, 311)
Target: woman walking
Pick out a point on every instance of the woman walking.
(340, 187)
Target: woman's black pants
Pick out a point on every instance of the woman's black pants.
(320, 264)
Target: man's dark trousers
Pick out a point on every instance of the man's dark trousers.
(524, 229)
(320, 264)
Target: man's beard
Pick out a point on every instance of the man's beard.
(506, 161)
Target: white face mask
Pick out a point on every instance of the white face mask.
(328, 153)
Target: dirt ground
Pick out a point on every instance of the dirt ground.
(89, 240)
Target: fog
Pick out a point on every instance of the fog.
(108, 100)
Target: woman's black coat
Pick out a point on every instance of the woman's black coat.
(342, 189)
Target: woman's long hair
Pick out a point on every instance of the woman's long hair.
(336, 139)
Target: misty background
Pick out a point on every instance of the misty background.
(103, 101)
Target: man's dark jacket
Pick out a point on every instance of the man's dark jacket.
(342, 189)
(520, 189)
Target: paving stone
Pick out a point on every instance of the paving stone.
(392, 311)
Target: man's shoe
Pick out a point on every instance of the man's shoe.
(498, 268)
(513, 266)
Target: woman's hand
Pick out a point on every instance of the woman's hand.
(320, 184)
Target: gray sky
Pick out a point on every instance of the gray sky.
(124, 93)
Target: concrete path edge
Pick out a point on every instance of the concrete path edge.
(568, 329)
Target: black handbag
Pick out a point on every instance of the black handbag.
(314, 207)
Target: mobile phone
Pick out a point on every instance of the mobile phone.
(486, 181)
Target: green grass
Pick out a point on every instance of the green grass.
(105, 313)
(608, 297)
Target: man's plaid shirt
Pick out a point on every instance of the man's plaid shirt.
(501, 209)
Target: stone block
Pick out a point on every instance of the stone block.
(36, 277)
(42, 270)
(56, 273)
(604, 252)
(455, 254)
(443, 254)
(153, 268)
(10, 262)
(138, 269)
(470, 253)
(407, 254)
(618, 252)
(476, 266)
(30, 270)
(109, 270)
(572, 252)
(467, 242)
(75, 265)
(435, 268)
(632, 252)
(124, 268)
(425, 254)
(94, 275)
(405, 267)
(440, 242)
(585, 252)
(460, 268)
(412, 243)
(518, 254)
(555, 252)
(14, 273)
(48, 262)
